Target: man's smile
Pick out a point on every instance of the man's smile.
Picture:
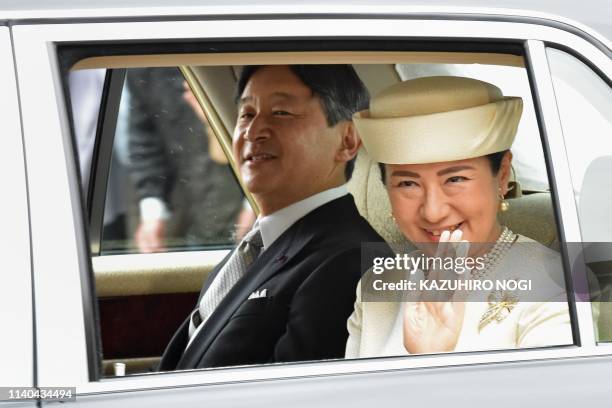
(257, 157)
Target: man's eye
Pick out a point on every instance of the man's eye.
(407, 183)
(456, 179)
(246, 115)
(281, 113)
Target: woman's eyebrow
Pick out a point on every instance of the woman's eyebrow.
(405, 173)
(454, 169)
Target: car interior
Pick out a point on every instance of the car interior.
(165, 286)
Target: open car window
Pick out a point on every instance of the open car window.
(169, 161)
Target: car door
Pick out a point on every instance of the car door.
(68, 332)
(16, 302)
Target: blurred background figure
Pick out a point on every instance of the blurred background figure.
(187, 193)
(246, 217)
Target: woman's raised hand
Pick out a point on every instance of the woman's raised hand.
(433, 323)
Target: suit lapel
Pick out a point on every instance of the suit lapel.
(174, 351)
(269, 263)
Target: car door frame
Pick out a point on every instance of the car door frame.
(16, 297)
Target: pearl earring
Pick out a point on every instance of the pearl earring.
(503, 204)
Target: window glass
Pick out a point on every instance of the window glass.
(169, 186)
(86, 87)
(298, 295)
(187, 194)
(585, 105)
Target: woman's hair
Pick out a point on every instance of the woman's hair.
(495, 160)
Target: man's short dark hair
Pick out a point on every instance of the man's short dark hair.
(338, 87)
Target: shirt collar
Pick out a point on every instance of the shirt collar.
(273, 225)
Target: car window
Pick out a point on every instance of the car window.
(164, 166)
(169, 185)
(585, 103)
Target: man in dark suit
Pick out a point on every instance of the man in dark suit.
(287, 290)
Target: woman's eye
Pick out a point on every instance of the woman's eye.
(456, 179)
(246, 115)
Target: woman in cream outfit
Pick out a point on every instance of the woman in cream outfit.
(445, 142)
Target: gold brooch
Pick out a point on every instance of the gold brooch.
(500, 306)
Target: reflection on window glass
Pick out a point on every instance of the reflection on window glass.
(183, 192)
(585, 106)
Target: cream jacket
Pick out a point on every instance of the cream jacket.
(375, 328)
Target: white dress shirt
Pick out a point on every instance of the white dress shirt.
(273, 225)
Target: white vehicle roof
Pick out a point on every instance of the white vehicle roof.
(592, 16)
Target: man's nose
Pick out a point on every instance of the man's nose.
(435, 206)
(258, 129)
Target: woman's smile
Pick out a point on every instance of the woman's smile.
(434, 233)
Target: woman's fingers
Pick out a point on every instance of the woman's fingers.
(447, 243)
(443, 245)
(460, 295)
(432, 326)
(463, 248)
(456, 236)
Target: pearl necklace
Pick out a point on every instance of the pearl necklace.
(491, 258)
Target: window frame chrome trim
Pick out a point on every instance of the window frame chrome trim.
(333, 367)
(425, 30)
(103, 150)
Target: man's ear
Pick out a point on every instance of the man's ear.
(350, 142)
(505, 169)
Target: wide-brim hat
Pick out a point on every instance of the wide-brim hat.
(438, 119)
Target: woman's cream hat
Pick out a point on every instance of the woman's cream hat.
(437, 119)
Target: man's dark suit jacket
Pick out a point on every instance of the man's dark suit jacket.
(310, 274)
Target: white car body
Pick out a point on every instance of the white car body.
(44, 303)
